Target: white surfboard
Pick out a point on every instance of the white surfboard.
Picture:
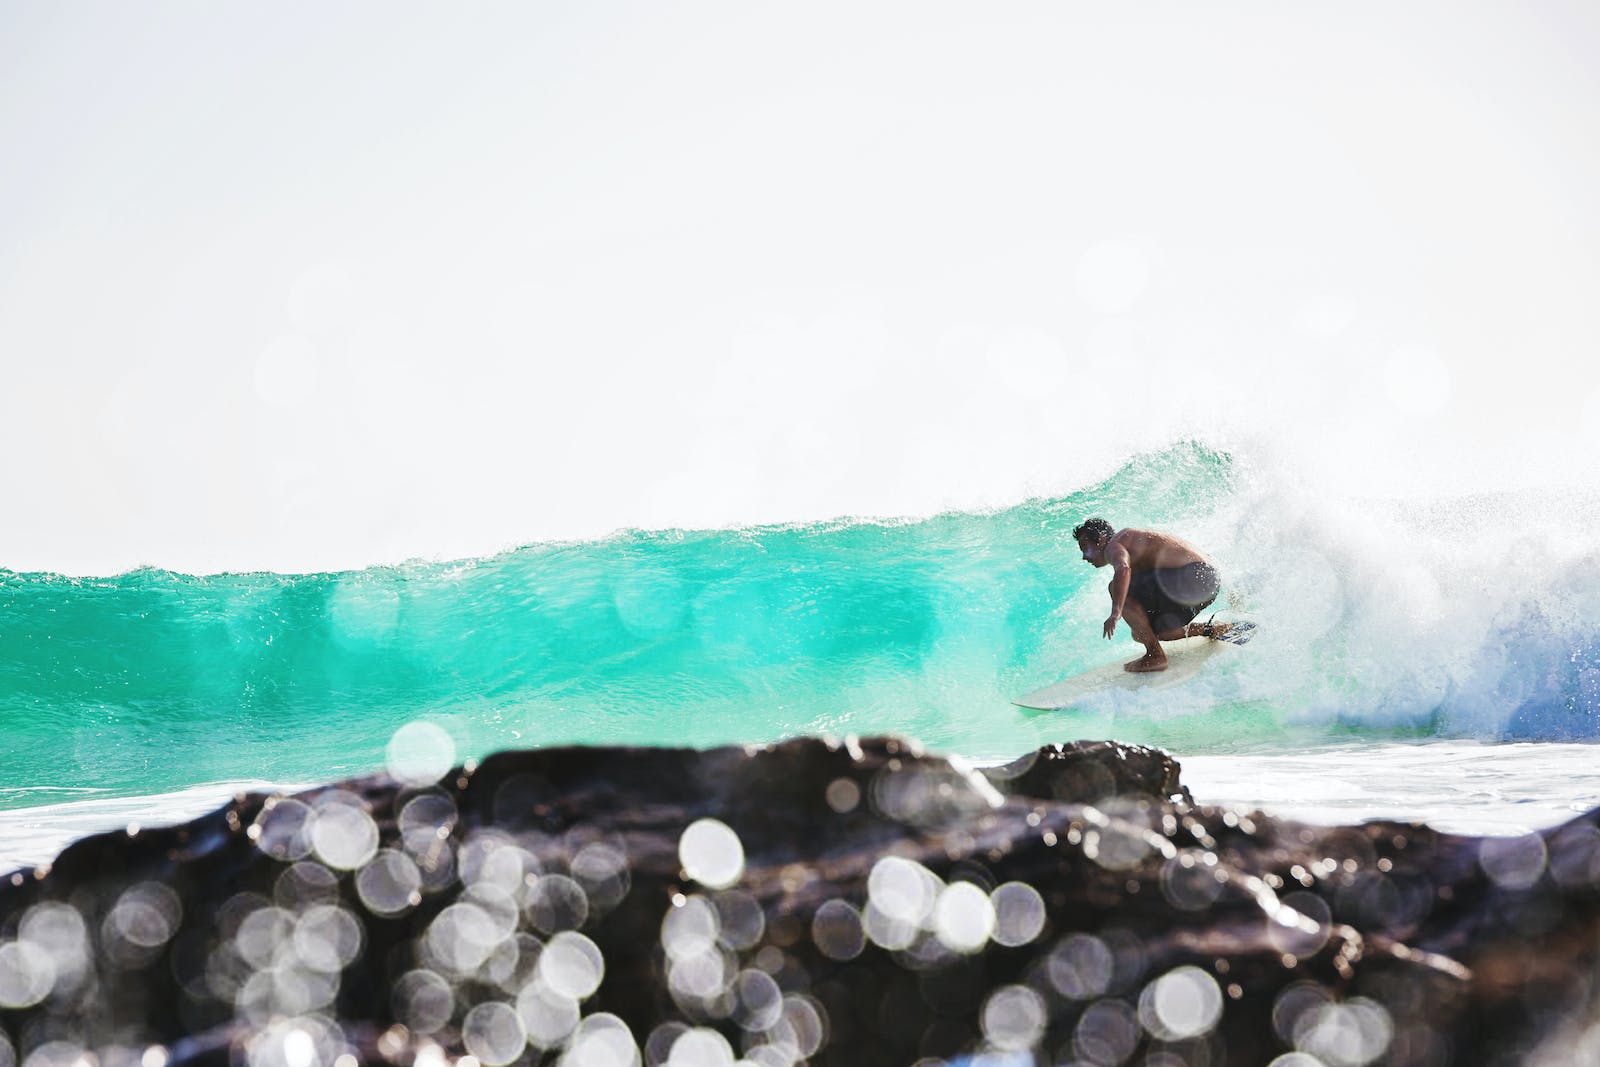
(1185, 659)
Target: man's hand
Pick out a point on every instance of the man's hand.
(1111, 627)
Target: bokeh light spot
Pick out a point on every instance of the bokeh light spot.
(1019, 914)
(1183, 1003)
(423, 1001)
(389, 883)
(1107, 1032)
(572, 965)
(700, 1047)
(1080, 967)
(285, 829)
(493, 1032)
(343, 834)
(420, 753)
(602, 1040)
(836, 930)
(1513, 862)
(1014, 1017)
(363, 613)
(547, 1016)
(556, 903)
(963, 917)
(711, 853)
(902, 890)
(1349, 1034)
(27, 974)
(843, 795)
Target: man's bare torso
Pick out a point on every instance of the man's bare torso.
(1150, 550)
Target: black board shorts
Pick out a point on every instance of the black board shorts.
(1173, 596)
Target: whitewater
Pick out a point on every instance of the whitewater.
(1418, 658)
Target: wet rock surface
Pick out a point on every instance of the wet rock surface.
(838, 903)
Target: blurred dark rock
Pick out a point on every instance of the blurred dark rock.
(1086, 771)
(891, 907)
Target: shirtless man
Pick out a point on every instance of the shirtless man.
(1159, 584)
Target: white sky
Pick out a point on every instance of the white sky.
(302, 286)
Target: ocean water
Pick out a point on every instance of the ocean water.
(1434, 659)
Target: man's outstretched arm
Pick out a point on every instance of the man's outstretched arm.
(1122, 575)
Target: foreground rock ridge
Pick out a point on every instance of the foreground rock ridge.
(855, 902)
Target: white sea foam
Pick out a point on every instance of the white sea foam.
(36, 835)
(1469, 616)
(1458, 786)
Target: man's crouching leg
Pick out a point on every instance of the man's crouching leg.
(1138, 621)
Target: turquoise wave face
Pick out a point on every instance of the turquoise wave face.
(153, 680)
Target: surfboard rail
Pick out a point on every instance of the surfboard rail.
(1185, 659)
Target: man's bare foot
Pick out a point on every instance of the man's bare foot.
(1147, 663)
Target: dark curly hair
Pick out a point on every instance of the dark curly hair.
(1092, 528)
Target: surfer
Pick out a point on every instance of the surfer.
(1159, 584)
